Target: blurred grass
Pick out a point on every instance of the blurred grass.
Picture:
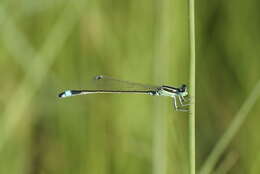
(227, 72)
(46, 47)
(232, 130)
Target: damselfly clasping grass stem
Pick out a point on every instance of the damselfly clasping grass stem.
(112, 85)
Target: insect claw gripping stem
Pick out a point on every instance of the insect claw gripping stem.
(184, 99)
(181, 102)
(176, 106)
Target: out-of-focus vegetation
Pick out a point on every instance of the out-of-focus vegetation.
(227, 70)
(49, 46)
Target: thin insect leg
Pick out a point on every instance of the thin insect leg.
(180, 99)
(189, 100)
(184, 99)
(176, 106)
(175, 103)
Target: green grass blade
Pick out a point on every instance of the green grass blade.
(231, 132)
(192, 89)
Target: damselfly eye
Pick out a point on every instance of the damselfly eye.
(99, 77)
(183, 88)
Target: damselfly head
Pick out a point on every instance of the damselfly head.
(183, 90)
(99, 77)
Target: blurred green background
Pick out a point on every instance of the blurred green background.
(49, 46)
(227, 70)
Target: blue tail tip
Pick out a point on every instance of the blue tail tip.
(65, 94)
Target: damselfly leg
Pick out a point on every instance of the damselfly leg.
(182, 100)
(179, 108)
(185, 99)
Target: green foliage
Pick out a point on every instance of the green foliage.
(227, 71)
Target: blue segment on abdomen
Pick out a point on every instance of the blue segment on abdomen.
(67, 94)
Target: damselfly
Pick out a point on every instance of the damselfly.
(111, 85)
